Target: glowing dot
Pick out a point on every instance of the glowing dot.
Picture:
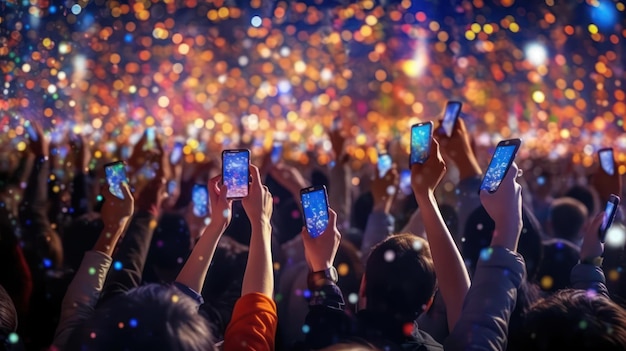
(616, 236)
(117, 265)
(536, 54)
(539, 97)
(582, 324)
(391, 190)
(243, 60)
(343, 269)
(353, 298)
(92, 271)
(408, 328)
(256, 21)
(76, 9)
(47, 263)
(163, 101)
(26, 68)
(52, 89)
(485, 254)
(13, 338)
(306, 329)
(226, 213)
(326, 74)
(133, 323)
(92, 335)
(479, 226)
(547, 282)
(306, 293)
(175, 298)
(390, 256)
(120, 325)
(417, 245)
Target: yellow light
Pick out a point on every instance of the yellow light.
(539, 96)
(469, 35)
(514, 27)
(475, 27)
(488, 28)
(593, 29)
(21, 146)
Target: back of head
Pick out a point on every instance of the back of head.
(150, 317)
(585, 196)
(559, 257)
(400, 276)
(567, 218)
(574, 320)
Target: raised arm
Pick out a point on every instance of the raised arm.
(588, 274)
(84, 291)
(254, 320)
(451, 273)
(339, 196)
(491, 299)
(380, 224)
(82, 156)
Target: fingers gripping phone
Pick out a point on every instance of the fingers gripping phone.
(451, 114)
(610, 210)
(200, 199)
(276, 153)
(315, 209)
(421, 137)
(607, 162)
(384, 164)
(116, 175)
(500, 163)
(236, 172)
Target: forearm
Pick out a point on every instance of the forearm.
(109, 237)
(339, 197)
(452, 275)
(35, 199)
(195, 269)
(259, 276)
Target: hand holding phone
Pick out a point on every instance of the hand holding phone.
(177, 153)
(236, 172)
(421, 136)
(150, 139)
(451, 114)
(116, 175)
(315, 209)
(500, 163)
(200, 199)
(607, 161)
(384, 164)
(276, 153)
(610, 210)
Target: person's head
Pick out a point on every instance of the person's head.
(559, 257)
(399, 277)
(574, 320)
(585, 195)
(478, 232)
(150, 317)
(567, 218)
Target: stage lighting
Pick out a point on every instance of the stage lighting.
(536, 54)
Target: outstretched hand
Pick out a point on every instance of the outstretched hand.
(606, 184)
(41, 146)
(426, 177)
(258, 204)
(221, 206)
(116, 212)
(458, 149)
(384, 189)
(320, 252)
(505, 208)
(592, 246)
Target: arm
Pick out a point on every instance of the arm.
(80, 202)
(339, 196)
(84, 291)
(452, 276)
(489, 303)
(254, 319)
(588, 274)
(380, 223)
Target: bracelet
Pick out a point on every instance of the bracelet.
(596, 261)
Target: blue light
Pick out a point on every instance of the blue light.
(47, 263)
(117, 265)
(128, 37)
(604, 15)
(256, 21)
(52, 9)
(132, 323)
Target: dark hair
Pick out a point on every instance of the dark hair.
(361, 210)
(567, 217)
(8, 314)
(574, 320)
(585, 196)
(169, 249)
(479, 230)
(400, 276)
(559, 257)
(150, 317)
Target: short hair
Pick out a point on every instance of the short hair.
(567, 218)
(559, 257)
(400, 276)
(150, 317)
(574, 320)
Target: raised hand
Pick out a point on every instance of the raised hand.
(458, 148)
(116, 212)
(258, 204)
(220, 205)
(320, 251)
(384, 189)
(41, 146)
(425, 177)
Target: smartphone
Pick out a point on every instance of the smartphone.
(607, 162)
(276, 153)
(500, 163)
(610, 210)
(200, 199)
(32, 134)
(451, 114)
(116, 175)
(405, 182)
(236, 172)
(315, 209)
(384, 164)
(171, 187)
(177, 153)
(421, 136)
(150, 138)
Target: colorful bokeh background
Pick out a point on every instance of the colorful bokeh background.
(231, 73)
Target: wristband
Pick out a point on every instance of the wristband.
(596, 261)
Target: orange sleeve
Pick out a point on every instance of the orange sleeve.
(253, 324)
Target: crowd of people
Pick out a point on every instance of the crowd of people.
(522, 268)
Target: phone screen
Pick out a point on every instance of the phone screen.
(150, 137)
(116, 175)
(235, 172)
(609, 214)
(200, 199)
(405, 182)
(606, 161)
(277, 153)
(315, 207)
(177, 153)
(499, 165)
(384, 164)
(171, 187)
(453, 109)
(32, 134)
(420, 142)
